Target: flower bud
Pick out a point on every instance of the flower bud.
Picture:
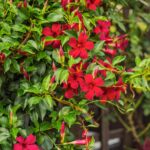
(62, 132)
(84, 133)
(61, 52)
(25, 4)
(81, 142)
(2, 56)
(54, 66)
(52, 80)
(61, 55)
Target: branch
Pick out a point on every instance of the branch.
(125, 125)
(142, 133)
(76, 108)
(45, 5)
(133, 130)
(27, 36)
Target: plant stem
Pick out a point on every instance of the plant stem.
(76, 108)
(133, 130)
(126, 126)
(142, 133)
(45, 5)
(26, 37)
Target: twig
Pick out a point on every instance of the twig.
(144, 131)
(125, 125)
(26, 37)
(45, 5)
(133, 130)
(76, 108)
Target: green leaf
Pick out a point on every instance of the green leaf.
(138, 61)
(73, 61)
(55, 16)
(118, 59)
(57, 74)
(64, 40)
(48, 101)
(64, 111)
(34, 100)
(33, 44)
(16, 65)
(42, 109)
(64, 76)
(110, 75)
(45, 83)
(49, 38)
(70, 118)
(98, 46)
(7, 64)
(4, 134)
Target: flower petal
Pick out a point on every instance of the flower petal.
(74, 84)
(89, 45)
(56, 28)
(17, 147)
(90, 94)
(98, 91)
(69, 93)
(56, 44)
(30, 139)
(88, 78)
(92, 7)
(74, 52)
(98, 82)
(20, 139)
(83, 53)
(32, 147)
(72, 42)
(46, 31)
(82, 37)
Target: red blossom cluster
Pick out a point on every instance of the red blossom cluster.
(26, 143)
(91, 85)
(112, 44)
(90, 4)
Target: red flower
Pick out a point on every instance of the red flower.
(70, 92)
(114, 92)
(75, 76)
(107, 66)
(64, 3)
(75, 80)
(114, 43)
(92, 4)
(102, 29)
(92, 86)
(122, 42)
(80, 46)
(26, 144)
(54, 31)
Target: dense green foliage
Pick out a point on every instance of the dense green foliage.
(32, 102)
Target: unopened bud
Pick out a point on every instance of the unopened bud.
(25, 4)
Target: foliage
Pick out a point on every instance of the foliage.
(58, 58)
